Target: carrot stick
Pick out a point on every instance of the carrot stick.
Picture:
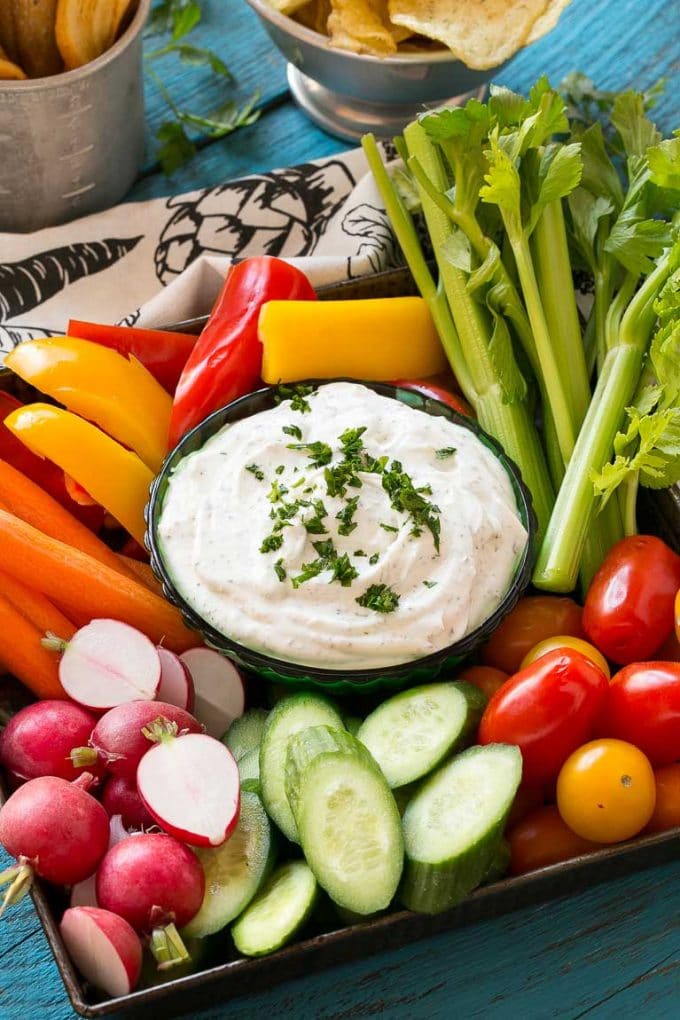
(25, 657)
(142, 572)
(35, 607)
(23, 497)
(80, 584)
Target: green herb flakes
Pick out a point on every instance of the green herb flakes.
(256, 471)
(292, 430)
(380, 598)
(271, 543)
(280, 570)
(346, 516)
(445, 452)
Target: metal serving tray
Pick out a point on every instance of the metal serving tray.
(328, 943)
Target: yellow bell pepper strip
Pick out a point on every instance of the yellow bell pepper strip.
(379, 339)
(115, 392)
(114, 476)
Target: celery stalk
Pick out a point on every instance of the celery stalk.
(560, 553)
(407, 236)
(508, 422)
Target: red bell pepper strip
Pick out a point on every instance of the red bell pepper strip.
(162, 352)
(435, 390)
(227, 360)
(43, 472)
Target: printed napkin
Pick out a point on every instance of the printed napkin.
(158, 262)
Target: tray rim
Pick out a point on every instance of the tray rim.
(388, 931)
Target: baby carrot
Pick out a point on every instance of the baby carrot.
(37, 609)
(81, 585)
(32, 504)
(23, 655)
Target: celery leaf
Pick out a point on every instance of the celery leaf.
(636, 131)
(637, 242)
(512, 382)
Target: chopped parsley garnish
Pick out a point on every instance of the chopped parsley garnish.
(380, 598)
(314, 525)
(271, 543)
(277, 492)
(308, 571)
(339, 477)
(280, 570)
(343, 571)
(374, 559)
(346, 515)
(320, 454)
(389, 527)
(351, 442)
(292, 430)
(445, 452)
(405, 498)
(325, 549)
(301, 481)
(359, 552)
(256, 471)
(279, 470)
(296, 394)
(430, 584)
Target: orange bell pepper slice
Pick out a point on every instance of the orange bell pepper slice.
(115, 477)
(115, 392)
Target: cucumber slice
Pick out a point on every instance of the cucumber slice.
(292, 714)
(454, 824)
(347, 818)
(498, 868)
(411, 733)
(249, 765)
(235, 870)
(277, 912)
(246, 733)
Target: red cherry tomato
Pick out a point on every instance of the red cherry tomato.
(548, 710)
(542, 838)
(436, 391)
(532, 620)
(629, 607)
(643, 708)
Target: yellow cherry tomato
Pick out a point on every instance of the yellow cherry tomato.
(565, 641)
(606, 791)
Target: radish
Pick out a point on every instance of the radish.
(54, 829)
(190, 784)
(37, 741)
(84, 894)
(107, 663)
(104, 948)
(219, 686)
(120, 797)
(118, 741)
(156, 884)
(176, 686)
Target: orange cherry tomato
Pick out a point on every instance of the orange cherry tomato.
(527, 799)
(566, 641)
(606, 791)
(543, 838)
(487, 678)
(667, 808)
(532, 620)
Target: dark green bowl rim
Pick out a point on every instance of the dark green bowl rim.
(265, 399)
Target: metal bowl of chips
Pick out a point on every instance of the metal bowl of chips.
(356, 66)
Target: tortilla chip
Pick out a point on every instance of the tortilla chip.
(36, 50)
(314, 15)
(547, 21)
(481, 33)
(361, 26)
(9, 71)
(288, 6)
(87, 28)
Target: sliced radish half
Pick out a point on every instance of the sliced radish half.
(190, 785)
(176, 686)
(220, 691)
(104, 948)
(108, 663)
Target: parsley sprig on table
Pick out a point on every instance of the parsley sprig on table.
(178, 18)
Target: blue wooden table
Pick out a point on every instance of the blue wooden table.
(612, 951)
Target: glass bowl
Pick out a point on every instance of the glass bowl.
(338, 681)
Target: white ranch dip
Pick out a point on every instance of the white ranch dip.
(218, 512)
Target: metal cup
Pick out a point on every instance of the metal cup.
(73, 143)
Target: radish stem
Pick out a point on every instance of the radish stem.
(167, 947)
